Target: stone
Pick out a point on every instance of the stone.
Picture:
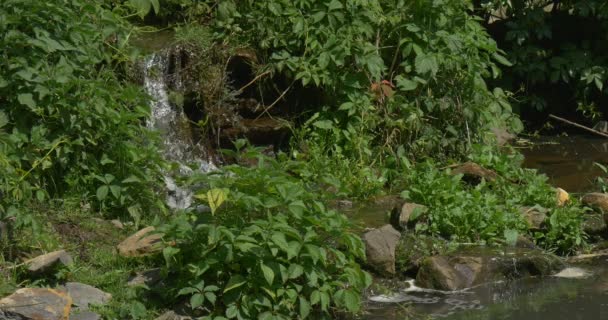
(143, 242)
(594, 224)
(450, 274)
(45, 262)
(38, 304)
(172, 315)
(148, 278)
(380, 247)
(589, 258)
(572, 273)
(524, 242)
(474, 173)
(475, 266)
(84, 295)
(84, 315)
(562, 197)
(597, 201)
(534, 216)
(400, 216)
(117, 224)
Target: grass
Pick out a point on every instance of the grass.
(92, 244)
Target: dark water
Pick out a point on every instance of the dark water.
(568, 161)
(569, 164)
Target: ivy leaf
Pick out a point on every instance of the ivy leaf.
(268, 273)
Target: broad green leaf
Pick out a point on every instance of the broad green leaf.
(232, 311)
(295, 271)
(406, 84)
(351, 301)
(27, 99)
(335, 5)
(235, 282)
(3, 119)
(268, 273)
(102, 192)
(197, 300)
(304, 308)
(323, 124)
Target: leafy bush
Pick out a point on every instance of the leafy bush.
(267, 250)
(71, 126)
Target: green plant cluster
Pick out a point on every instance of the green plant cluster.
(490, 212)
(268, 249)
(70, 125)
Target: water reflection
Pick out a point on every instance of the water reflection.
(568, 161)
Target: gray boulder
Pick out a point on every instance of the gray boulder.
(380, 247)
(37, 304)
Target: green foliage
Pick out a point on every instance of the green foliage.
(270, 250)
(557, 44)
(491, 211)
(69, 125)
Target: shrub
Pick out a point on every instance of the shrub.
(267, 250)
(72, 126)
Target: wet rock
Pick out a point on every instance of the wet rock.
(466, 269)
(149, 278)
(594, 224)
(84, 295)
(524, 242)
(261, 131)
(534, 216)
(84, 315)
(401, 216)
(562, 197)
(473, 173)
(48, 261)
(444, 273)
(412, 249)
(597, 201)
(38, 304)
(572, 273)
(380, 247)
(142, 243)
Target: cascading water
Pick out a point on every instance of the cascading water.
(174, 127)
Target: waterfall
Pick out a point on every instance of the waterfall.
(175, 129)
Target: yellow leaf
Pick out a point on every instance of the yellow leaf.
(215, 198)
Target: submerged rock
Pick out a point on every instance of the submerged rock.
(474, 173)
(143, 242)
(380, 247)
(47, 261)
(38, 304)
